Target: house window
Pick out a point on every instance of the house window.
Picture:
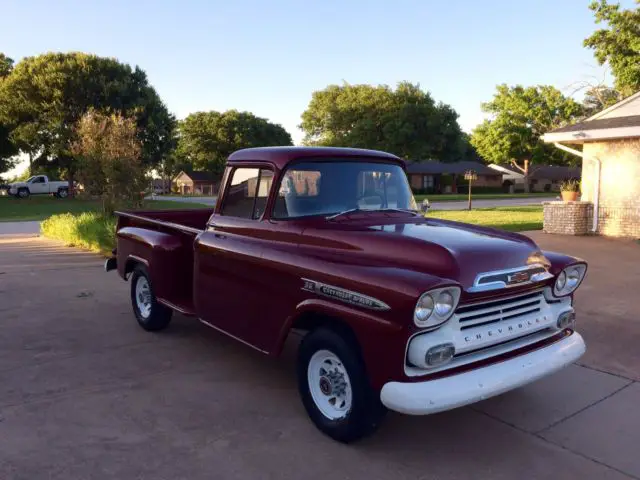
(427, 181)
(248, 192)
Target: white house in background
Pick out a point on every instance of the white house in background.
(542, 178)
(610, 155)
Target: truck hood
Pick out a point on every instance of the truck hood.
(18, 184)
(449, 250)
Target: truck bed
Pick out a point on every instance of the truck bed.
(172, 219)
(164, 240)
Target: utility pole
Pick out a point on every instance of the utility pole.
(471, 176)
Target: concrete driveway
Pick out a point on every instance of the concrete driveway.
(509, 202)
(87, 394)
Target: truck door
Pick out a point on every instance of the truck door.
(39, 185)
(228, 254)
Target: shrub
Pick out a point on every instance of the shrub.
(90, 230)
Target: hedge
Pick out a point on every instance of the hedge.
(89, 230)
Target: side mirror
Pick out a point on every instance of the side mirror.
(425, 206)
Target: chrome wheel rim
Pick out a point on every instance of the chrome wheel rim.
(329, 385)
(62, 193)
(143, 297)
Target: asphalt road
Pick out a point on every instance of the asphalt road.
(87, 394)
(434, 205)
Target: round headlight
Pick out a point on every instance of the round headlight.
(569, 279)
(424, 308)
(444, 304)
(573, 278)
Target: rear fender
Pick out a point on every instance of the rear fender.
(157, 251)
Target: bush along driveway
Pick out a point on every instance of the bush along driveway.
(91, 230)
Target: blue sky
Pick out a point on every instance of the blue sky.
(269, 56)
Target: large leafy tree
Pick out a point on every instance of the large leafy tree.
(618, 43)
(45, 96)
(406, 121)
(7, 148)
(519, 116)
(206, 139)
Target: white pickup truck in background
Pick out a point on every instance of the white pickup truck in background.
(39, 185)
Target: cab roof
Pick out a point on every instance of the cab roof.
(281, 156)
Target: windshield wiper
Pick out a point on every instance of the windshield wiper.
(404, 210)
(353, 210)
(344, 212)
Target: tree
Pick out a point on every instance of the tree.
(8, 149)
(6, 65)
(109, 158)
(406, 121)
(618, 43)
(206, 139)
(598, 98)
(519, 117)
(44, 97)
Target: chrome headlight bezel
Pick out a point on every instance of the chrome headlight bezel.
(570, 279)
(437, 316)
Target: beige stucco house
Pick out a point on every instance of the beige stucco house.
(610, 152)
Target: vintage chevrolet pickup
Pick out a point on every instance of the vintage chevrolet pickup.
(399, 311)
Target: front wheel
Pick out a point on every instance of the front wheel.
(335, 388)
(151, 315)
(24, 193)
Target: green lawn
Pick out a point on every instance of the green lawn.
(514, 219)
(457, 197)
(41, 207)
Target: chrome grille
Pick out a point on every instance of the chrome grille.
(499, 310)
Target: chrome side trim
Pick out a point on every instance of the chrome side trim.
(153, 221)
(344, 295)
(497, 285)
(233, 336)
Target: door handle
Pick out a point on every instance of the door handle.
(220, 235)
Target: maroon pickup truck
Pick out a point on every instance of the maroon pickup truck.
(399, 311)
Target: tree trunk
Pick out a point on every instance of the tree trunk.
(525, 172)
(527, 187)
(72, 189)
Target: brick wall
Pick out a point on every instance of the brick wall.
(619, 204)
(567, 218)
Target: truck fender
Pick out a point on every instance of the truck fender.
(142, 246)
(312, 312)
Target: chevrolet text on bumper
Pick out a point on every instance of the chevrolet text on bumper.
(397, 310)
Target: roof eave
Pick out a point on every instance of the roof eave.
(581, 136)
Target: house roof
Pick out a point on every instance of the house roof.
(621, 120)
(601, 124)
(199, 176)
(555, 172)
(459, 168)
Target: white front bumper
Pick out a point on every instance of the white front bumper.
(423, 398)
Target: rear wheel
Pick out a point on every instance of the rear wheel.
(151, 315)
(63, 193)
(335, 388)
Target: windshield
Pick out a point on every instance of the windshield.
(331, 187)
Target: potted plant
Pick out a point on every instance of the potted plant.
(570, 189)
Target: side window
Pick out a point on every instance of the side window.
(247, 194)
